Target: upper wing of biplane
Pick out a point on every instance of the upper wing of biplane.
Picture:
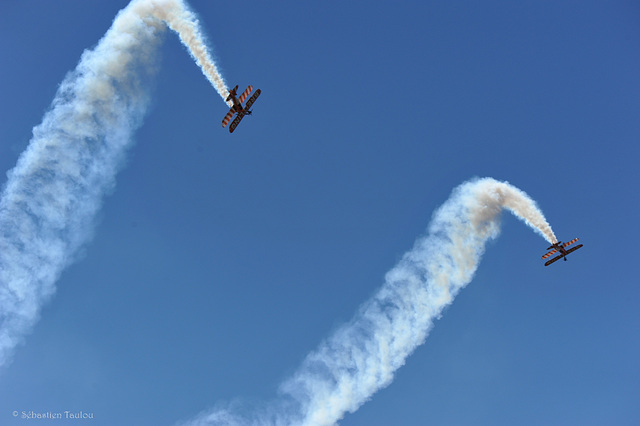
(245, 94)
(227, 117)
(554, 251)
(570, 242)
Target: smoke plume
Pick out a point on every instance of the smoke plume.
(362, 356)
(49, 201)
(184, 22)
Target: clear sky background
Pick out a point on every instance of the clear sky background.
(221, 260)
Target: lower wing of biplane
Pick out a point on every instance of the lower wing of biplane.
(566, 252)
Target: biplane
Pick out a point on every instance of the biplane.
(559, 247)
(237, 107)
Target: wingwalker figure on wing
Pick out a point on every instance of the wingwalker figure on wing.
(560, 247)
(237, 106)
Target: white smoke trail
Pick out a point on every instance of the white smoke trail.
(361, 357)
(184, 22)
(50, 199)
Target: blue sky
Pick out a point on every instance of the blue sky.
(219, 261)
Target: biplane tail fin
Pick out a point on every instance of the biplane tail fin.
(232, 93)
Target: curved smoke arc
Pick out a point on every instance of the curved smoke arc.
(49, 201)
(362, 356)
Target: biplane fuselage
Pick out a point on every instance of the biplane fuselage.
(237, 107)
(559, 247)
(233, 97)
